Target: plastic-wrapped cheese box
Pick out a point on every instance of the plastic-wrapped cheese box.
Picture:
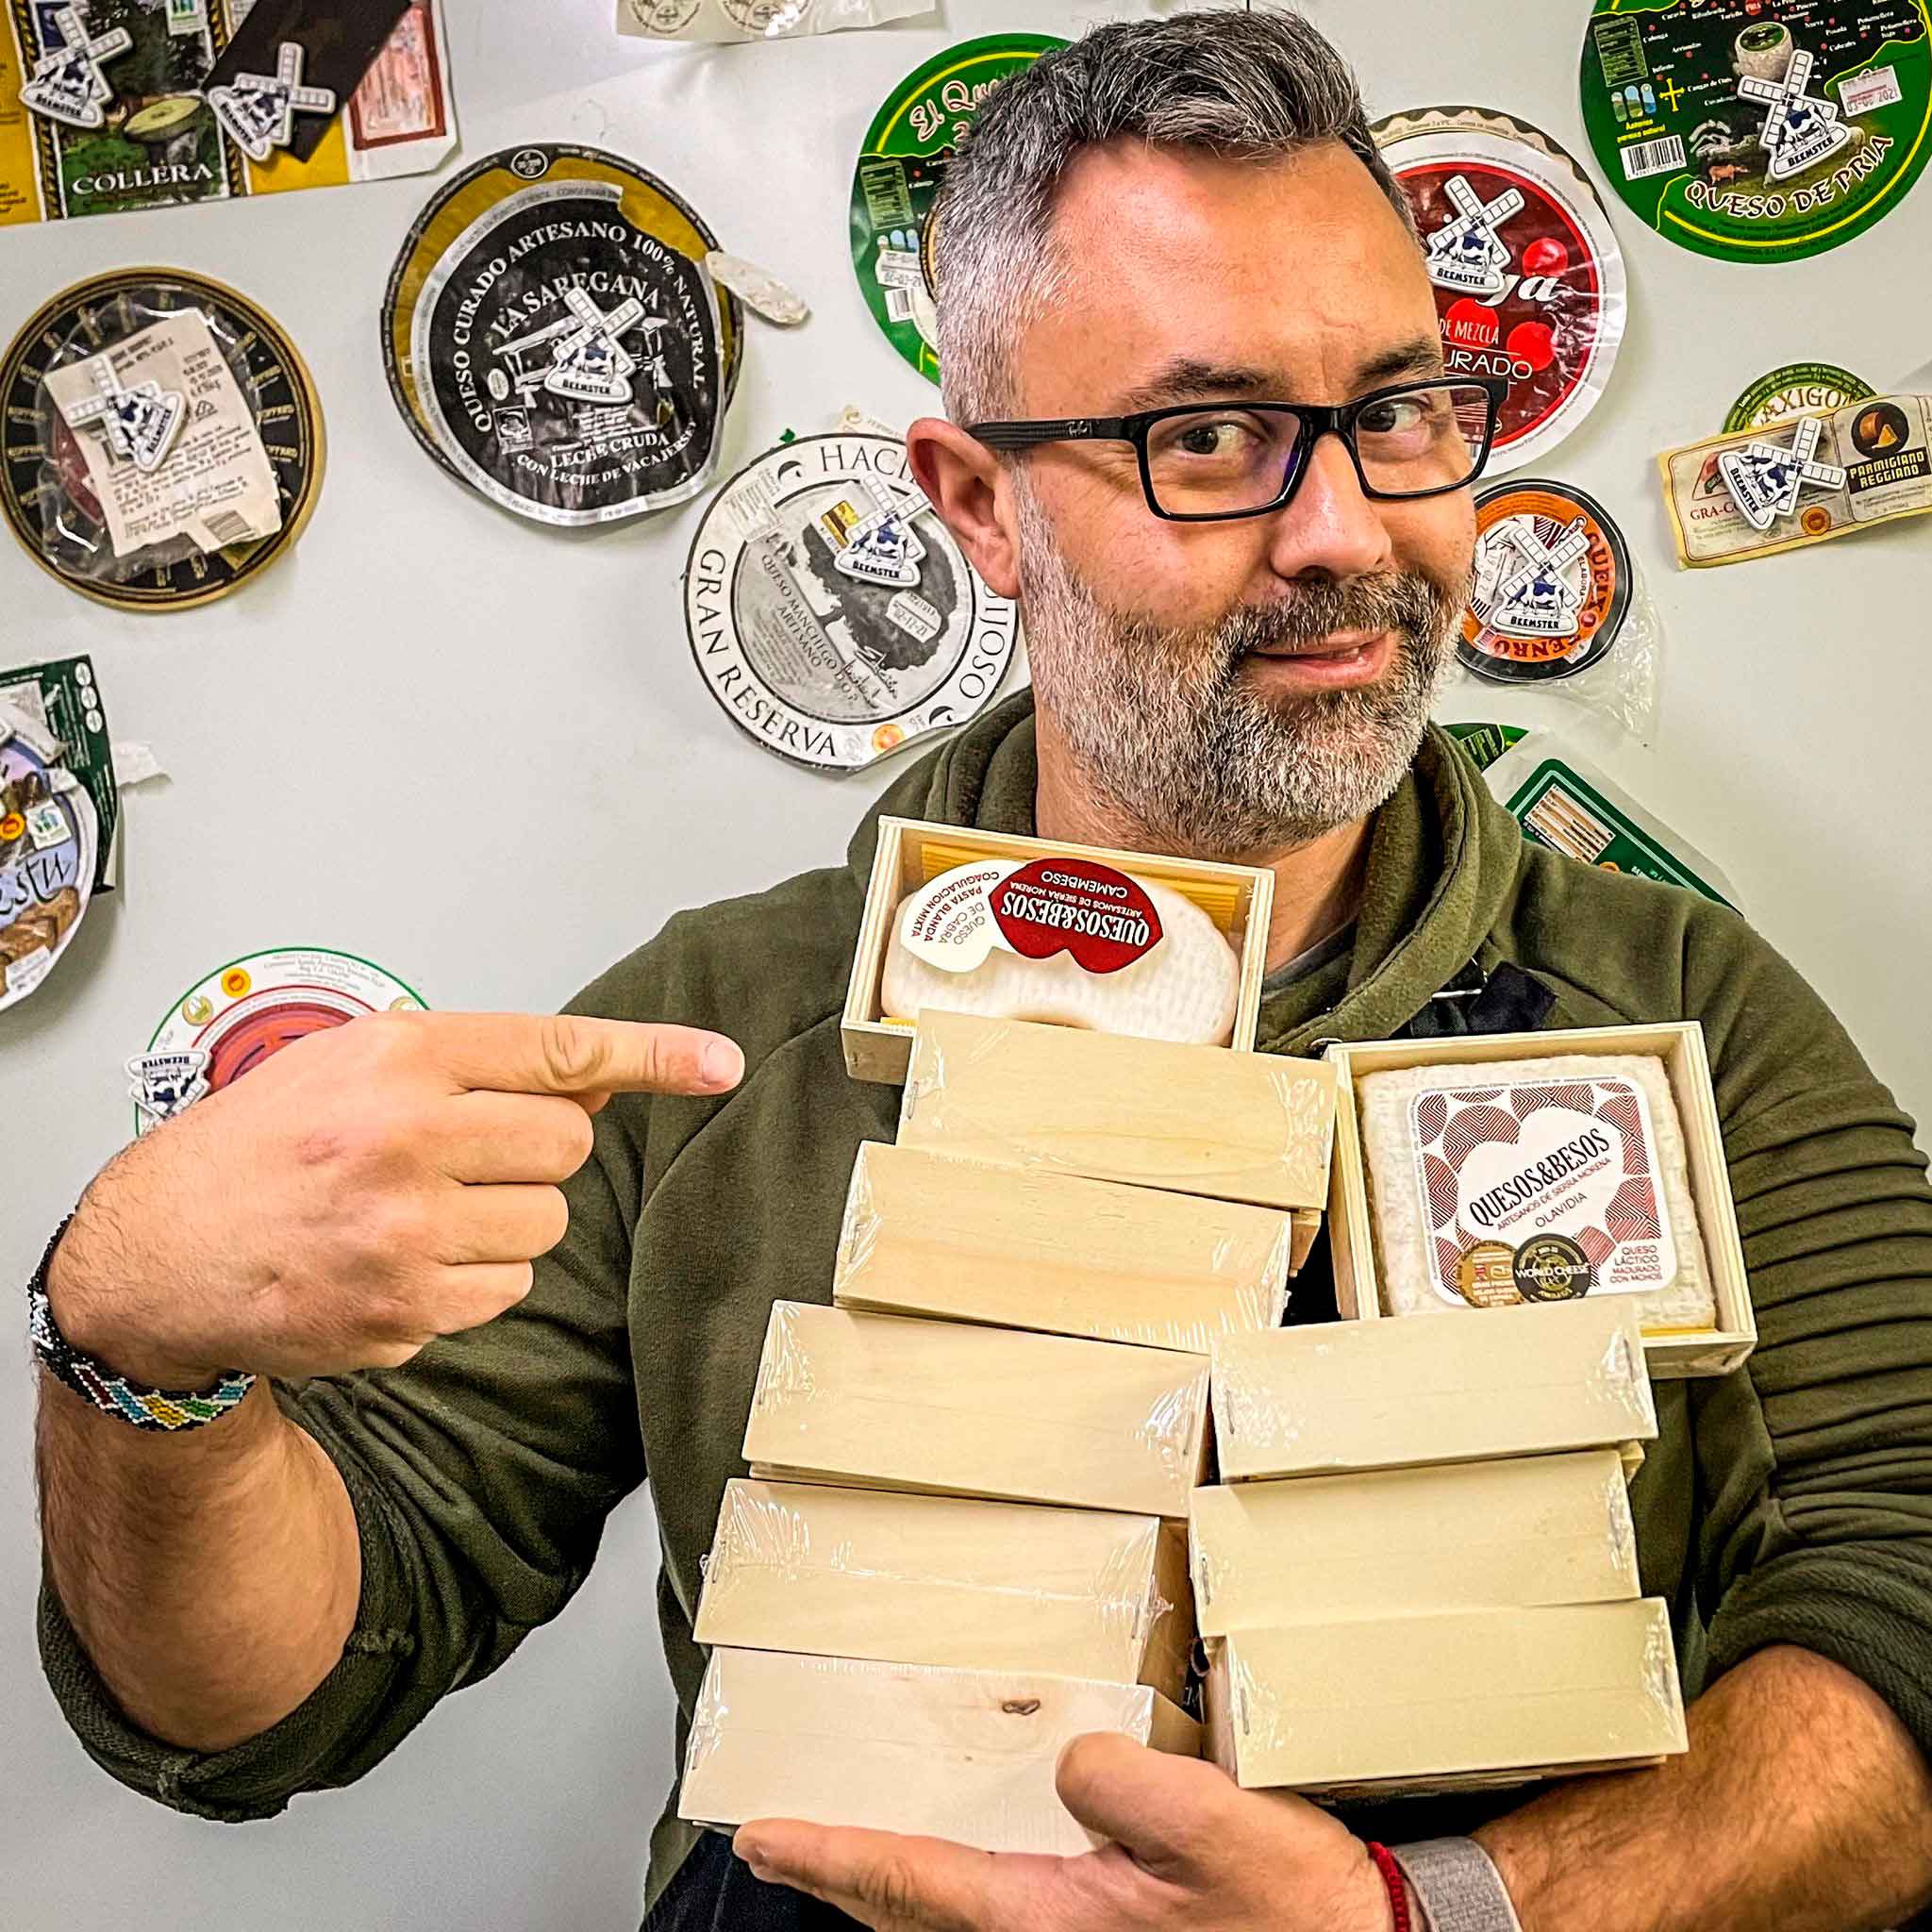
(1425, 1704)
(969, 1755)
(948, 1408)
(959, 1240)
(949, 1581)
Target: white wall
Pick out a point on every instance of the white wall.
(477, 752)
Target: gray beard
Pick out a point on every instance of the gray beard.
(1170, 736)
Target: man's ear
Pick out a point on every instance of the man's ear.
(961, 477)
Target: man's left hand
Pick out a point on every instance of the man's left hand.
(1189, 1850)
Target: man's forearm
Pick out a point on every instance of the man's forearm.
(213, 1576)
(1803, 1806)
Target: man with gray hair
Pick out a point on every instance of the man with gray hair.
(491, 1270)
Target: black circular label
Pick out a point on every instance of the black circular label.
(1553, 1268)
(568, 364)
(43, 487)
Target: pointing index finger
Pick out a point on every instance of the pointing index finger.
(566, 1053)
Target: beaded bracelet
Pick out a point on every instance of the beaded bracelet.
(115, 1395)
(1398, 1886)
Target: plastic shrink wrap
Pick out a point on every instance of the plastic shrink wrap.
(1020, 1249)
(1408, 1705)
(947, 1408)
(968, 1755)
(1360, 1396)
(1194, 1120)
(949, 1580)
(1507, 1534)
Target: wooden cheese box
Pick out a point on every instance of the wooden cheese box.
(1407, 1707)
(911, 853)
(949, 1580)
(1194, 1120)
(1347, 1396)
(968, 1755)
(1680, 1045)
(1509, 1534)
(1017, 1249)
(943, 1407)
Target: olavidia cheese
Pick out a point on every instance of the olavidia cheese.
(1501, 1182)
(1066, 943)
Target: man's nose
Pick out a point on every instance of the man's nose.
(1331, 527)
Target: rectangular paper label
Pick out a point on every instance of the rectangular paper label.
(1864, 92)
(1505, 1164)
(214, 487)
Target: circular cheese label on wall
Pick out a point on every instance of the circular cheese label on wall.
(1799, 388)
(44, 491)
(1528, 277)
(900, 167)
(831, 611)
(1552, 584)
(227, 1025)
(554, 338)
(48, 834)
(1759, 130)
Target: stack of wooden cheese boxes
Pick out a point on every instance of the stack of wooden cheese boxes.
(1418, 1573)
(963, 1540)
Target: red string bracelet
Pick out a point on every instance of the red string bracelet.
(1398, 1889)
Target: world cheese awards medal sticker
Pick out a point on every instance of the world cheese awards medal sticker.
(1759, 130)
(1530, 280)
(831, 611)
(555, 339)
(163, 439)
(900, 168)
(1552, 1268)
(1799, 388)
(1552, 584)
(229, 1022)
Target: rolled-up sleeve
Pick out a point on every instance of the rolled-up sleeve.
(481, 1472)
(1815, 1459)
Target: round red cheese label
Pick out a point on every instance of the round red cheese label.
(1528, 277)
(1552, 584)
(1102, 917)
(242, 1013)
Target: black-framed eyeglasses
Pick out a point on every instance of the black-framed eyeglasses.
(1210, 462)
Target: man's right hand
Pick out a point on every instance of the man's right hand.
(366, 1190)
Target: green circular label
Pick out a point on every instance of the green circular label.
(900, 167)
(1799, 388)
(1759, 130)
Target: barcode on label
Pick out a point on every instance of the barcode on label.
(228, 526)
(899, 303)
(1662, 157)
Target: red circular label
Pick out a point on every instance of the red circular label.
(1102, 917)
(1538, 329)
(242, 1048)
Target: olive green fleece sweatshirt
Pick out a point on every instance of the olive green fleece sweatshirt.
(1790, 1502)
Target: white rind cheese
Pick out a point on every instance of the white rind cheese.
(1470, 1164)
(1185, 989)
